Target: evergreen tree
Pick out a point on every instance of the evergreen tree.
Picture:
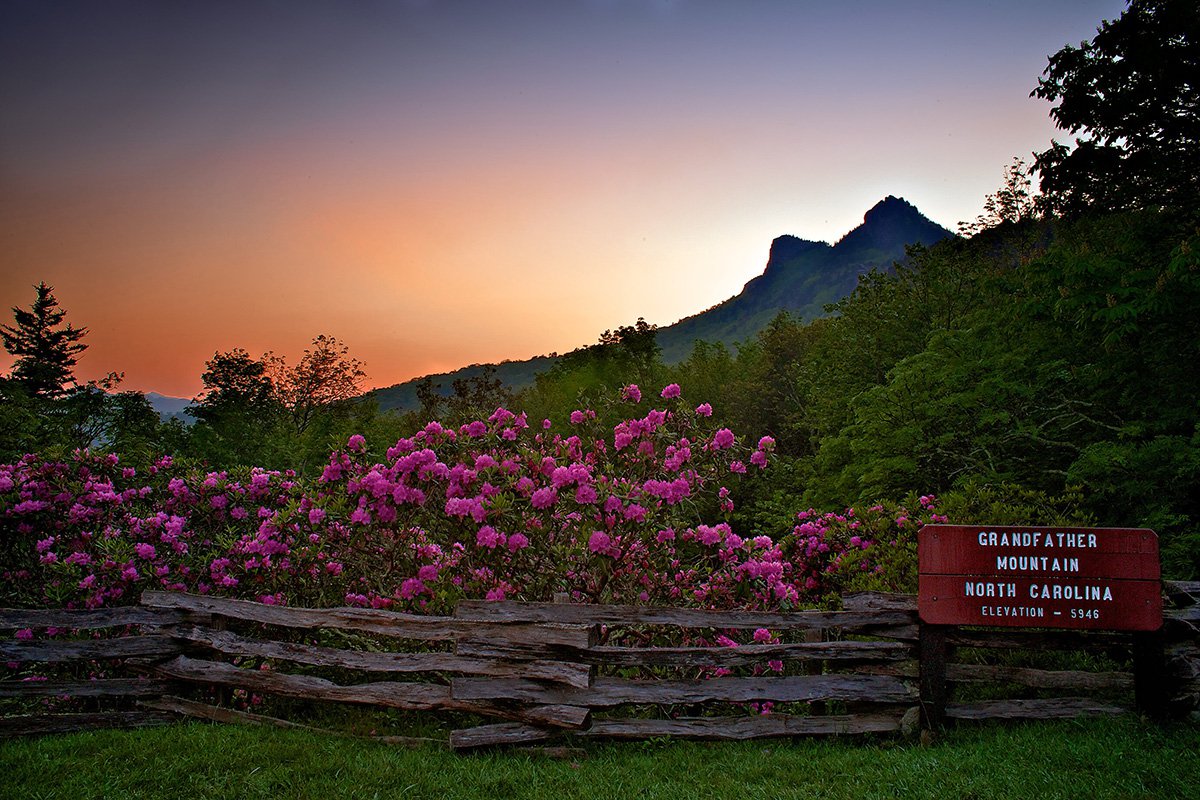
(45, 352)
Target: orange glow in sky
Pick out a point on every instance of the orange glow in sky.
(445, 183)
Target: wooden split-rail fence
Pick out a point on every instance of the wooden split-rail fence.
(522, 673)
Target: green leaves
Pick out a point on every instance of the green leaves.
(1132, 95)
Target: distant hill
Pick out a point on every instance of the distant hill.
(168, 407)
(515, 374)
(801, 277)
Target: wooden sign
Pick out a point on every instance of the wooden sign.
(1040, 577)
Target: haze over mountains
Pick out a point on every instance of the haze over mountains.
(801, 277)
(168, 407)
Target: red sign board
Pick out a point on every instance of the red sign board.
(1040, 577)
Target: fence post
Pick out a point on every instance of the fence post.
(1150, 679)
(932, 666)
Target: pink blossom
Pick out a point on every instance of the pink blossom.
(704, 410)
(671, 390)
(544, 497)
(501, 415)
(634, 512)
(632, 393)
(600, 543)
(466, 507)
(722, 439)
(560, 477)
(489, 537)
(709, 535)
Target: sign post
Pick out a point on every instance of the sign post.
(1038, 577)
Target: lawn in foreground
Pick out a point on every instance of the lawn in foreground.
(1110, 758)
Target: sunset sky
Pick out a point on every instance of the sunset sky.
(439, 183)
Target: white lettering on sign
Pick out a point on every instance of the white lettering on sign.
(1036, 564)
(1012, 611)
(1036, 539)
(989, 589)
(1057, 591)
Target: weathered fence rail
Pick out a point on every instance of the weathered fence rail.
(532, 672)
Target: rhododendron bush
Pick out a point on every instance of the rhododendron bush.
(497, 509)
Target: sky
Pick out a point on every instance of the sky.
(438, 183)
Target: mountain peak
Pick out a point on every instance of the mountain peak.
(891, 220)
(890, 206)
(787, 248)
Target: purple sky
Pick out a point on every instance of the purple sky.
(442, 183)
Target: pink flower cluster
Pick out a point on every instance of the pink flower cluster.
(493, 509)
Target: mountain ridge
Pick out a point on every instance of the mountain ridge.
(801, 277)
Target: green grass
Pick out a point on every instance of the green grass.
(1112, 758)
